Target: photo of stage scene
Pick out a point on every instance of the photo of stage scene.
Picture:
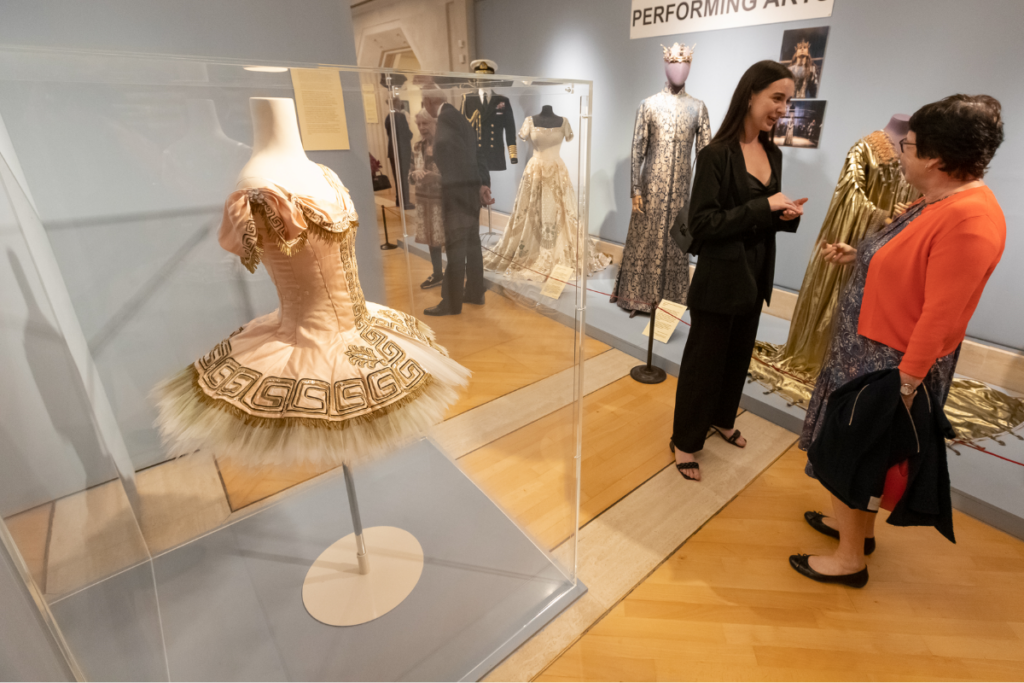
(801, 126)
(803, 51)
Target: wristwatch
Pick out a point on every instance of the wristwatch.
(907, 389)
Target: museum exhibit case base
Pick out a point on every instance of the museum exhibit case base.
(344, 588)
(231, 608)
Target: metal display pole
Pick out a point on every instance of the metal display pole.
(649, 373)
(357, 522)
(338, 593)
(387, 241)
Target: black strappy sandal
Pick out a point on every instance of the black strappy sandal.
(683, 466)
(731, 439)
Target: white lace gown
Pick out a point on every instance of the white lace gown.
(541, 231)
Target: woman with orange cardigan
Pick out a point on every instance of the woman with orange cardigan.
(914, 286)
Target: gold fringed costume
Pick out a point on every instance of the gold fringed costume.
(870, 187)
(870, 190)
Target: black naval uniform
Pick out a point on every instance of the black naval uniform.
(463, 170)
(495, 128)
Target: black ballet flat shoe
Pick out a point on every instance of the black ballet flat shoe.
(802, 565)
(731, 439)
(814, 518)
(684, 466)
(440, 309)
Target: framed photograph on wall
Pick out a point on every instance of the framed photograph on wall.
(802, 124)
(803, 51)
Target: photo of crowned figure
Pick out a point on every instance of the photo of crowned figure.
(803, 51)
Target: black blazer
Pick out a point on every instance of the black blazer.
(495, 128)
(721, 217)
(463, 169)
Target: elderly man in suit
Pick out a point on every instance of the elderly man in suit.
(465, 187)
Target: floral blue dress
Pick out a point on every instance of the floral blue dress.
(850, 355)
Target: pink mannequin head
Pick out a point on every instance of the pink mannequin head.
(677, 64)
(677, 73)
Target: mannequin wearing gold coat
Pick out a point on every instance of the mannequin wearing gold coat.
(870, 188)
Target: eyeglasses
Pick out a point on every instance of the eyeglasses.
(904, 144)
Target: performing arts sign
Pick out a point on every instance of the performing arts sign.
(650, 18)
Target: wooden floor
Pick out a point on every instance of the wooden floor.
(623, 446)
(724, 606)
(727, 606)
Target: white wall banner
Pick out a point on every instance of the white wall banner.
(651, 18)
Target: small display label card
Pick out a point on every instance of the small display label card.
(665, 320)
(559, 278)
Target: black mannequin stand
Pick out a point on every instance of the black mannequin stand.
(649, 373)
(387, 242)
(547, 118)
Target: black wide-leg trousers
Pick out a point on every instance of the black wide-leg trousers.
(711, 375)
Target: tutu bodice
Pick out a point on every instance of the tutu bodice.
(325, 360)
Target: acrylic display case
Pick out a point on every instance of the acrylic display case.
(152, 565)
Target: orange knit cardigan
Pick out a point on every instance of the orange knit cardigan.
(923, 286)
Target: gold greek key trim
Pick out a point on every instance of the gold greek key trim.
(221, 378)
(422, 383)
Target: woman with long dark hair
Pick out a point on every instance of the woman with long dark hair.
(736, 208)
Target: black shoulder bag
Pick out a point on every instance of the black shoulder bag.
(680, 233)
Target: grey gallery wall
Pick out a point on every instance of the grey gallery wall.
(96, 138)
(884, 57)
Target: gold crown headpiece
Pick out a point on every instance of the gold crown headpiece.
(803, 48)
(678, 53)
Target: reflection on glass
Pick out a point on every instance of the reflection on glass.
(129, 161)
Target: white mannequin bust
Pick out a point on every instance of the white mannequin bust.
(277, 153)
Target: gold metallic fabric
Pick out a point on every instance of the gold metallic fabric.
(870, 188)
(976, 410)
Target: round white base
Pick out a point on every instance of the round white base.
(335, 593)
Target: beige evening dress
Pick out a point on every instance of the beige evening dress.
(542, 228)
